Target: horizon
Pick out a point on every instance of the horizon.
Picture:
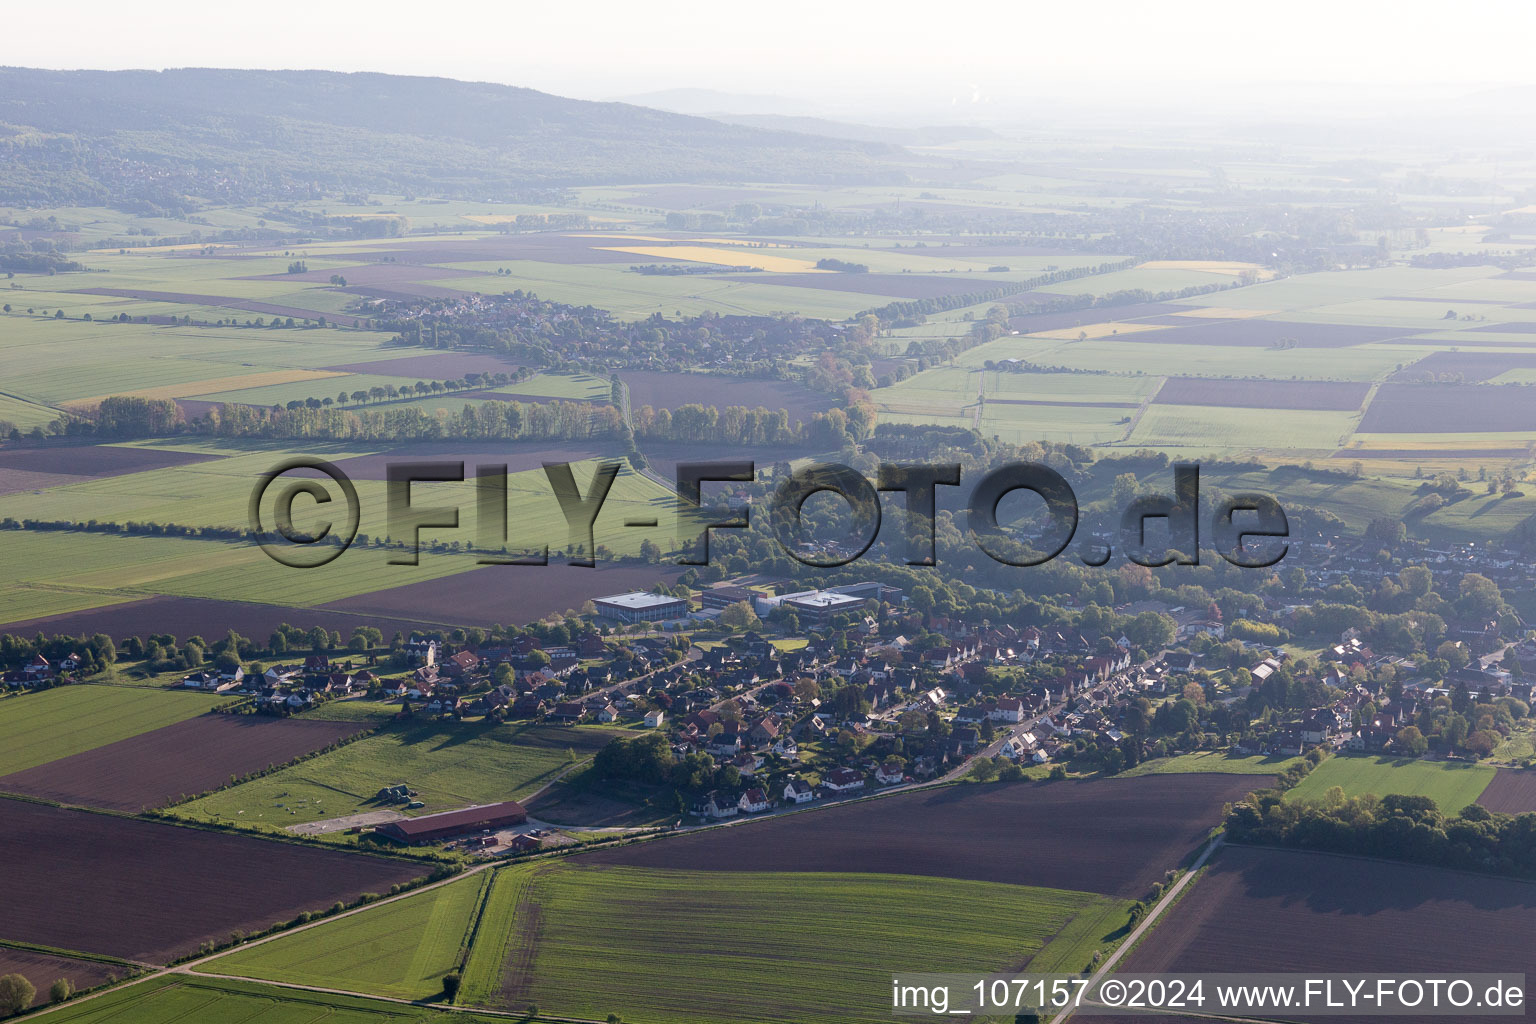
(863, 60)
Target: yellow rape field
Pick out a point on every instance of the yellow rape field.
(214, 385)
(727, 257)
(1096, 331)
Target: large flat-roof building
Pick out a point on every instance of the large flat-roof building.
(816, 608)
(722, 597)
(433, 828)
(641, 606)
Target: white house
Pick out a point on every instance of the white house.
(798, 791)
(753, 801)
(653, 719)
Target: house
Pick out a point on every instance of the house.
(37, 668)
(1009, 709)
(716, 805)
(798, 791)
(726, 744)
(787, 748)
(889, 773)
(421, 652)
(1316, 728)
(462, 664)
(569, 712)
(764, 732)
(653, 719)
(753, 801)
(843, 780)
(607, 713)
(747, 762)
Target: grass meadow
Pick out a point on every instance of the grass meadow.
(451, 764)
(1453, 785)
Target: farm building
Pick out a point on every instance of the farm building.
(641, 606)
(434, 828)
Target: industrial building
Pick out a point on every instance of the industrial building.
(641, 606)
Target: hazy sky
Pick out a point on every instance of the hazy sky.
(956, 53)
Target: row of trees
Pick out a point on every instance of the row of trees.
(1396, 827)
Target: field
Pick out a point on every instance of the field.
(1113, 836)
(402, 949)
(61, 572)
(1510, 792)
(36, 728)
(734, 942)
(1452, 785)
(178, 760)
(1213, 761)
(149, 892)
(185, 998)
(670, 390)
(451, 764)
(505, 593)
(1450, 408)
(1282, 910)
(43, 969)
(1343, 396)
(28, 469)
(202, 617)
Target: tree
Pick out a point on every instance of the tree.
(61, 990)
(1409, 740)
(984, 770)
(451, 983)
(1482, 743)
(739, 616)
(16, 994)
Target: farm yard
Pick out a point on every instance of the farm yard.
(1451, 785)
(1113, 836)
(180, 760)
(123, 887)
(451, 764)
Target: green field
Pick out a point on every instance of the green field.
(36, 728)
(1452, 785)
(217, 493)
(451, 764)
(402, 949)
(1213, 761)
(88, 570)
(662, 946)
(192, 1000)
